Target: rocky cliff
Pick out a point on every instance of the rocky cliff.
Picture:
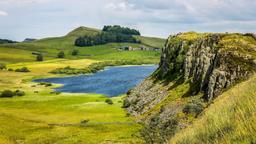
(195, 68)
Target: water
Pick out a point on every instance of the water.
(113, 81)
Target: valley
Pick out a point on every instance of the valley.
(45, 116)
(202, 91)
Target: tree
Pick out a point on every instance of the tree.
(75, 52)
(7, 94)
(2, 66)
(109, 101)
(23, 69)
(39, 57)
(61, 54)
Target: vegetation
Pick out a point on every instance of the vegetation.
(50, 47)
(104, 38)
(75, 52)
(71, 118)
(119, 29)
(109, 101)
(7, 94)
(3, 41)
(19, 93)
(23, 69)
(45, 84)
(61, 54)
(230, 119)
(2, 66)
(39, 57)
(93, 68)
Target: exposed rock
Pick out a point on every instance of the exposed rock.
(209, 64)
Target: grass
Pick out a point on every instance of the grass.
(230, 119)
(42, 116)
(8, 55)
(49, 47)
(151, 41)
(45, 117)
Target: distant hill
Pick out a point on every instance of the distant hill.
(29, 40)
(4, 41)
(49, 47)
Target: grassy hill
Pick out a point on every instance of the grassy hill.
(230, 119)
(49, 47)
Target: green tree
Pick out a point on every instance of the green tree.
(61, 54)
(7, 94)
(2, 66)
(39, 57)
(75, 52)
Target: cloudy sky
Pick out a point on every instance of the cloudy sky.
(21, 19)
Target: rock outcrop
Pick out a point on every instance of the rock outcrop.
(194, 70)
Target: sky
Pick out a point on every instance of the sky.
(20, 19)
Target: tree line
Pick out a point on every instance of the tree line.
(4, 41)
(109, 34)
(119, 29)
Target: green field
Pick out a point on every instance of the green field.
(45, 117)
(49, 47)
(42, 116)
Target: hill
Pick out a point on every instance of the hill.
(49, 47)
(195, 69)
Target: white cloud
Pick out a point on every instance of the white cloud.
(119, 5)
(3, 13)
(11, 2)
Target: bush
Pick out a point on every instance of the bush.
(75, 52)
(45, 84)
(2, 66)
(23, 69)
(39, 57)
(193, 107)
(10, 69)
(61, 54)
(109, 101)
(7, 94)
(19, 93)
(126, 103)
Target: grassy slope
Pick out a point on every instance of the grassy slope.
(26, 119)
(151, 41)
(230, 119)
(51, 46)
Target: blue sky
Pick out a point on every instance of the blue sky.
(20, 19)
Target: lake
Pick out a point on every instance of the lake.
(113, 81)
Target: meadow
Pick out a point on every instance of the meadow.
(42, 116)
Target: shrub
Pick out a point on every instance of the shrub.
(10, 69)
(2, 66)
(19, 93)
(193, 107)
(109, 101)
(23, 69)
(45, 84)
(7, 94)
(48, 84)
(61, 54)
(75, 52)
(39, 57)
(126, 103)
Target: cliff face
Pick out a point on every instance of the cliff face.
(194, 70)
